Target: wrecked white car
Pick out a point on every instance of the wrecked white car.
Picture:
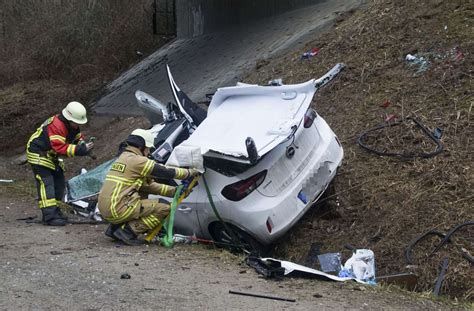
(267, 156)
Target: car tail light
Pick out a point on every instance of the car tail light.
(239, 190)
(309, 117)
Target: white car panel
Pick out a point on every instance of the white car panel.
(266, 114)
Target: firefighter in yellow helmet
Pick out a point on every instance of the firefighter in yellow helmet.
(123, 198)
(59, 136)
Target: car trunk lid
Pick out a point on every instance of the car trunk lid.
(267, 114)
(290, 161)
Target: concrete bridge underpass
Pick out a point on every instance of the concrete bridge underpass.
(217, 42)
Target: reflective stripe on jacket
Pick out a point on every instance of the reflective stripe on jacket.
(52, 139)
(128, 179)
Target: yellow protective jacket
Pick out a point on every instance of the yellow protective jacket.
(128, 179)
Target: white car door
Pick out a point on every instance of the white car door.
(186, 220)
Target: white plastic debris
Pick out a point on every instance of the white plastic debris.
(422, 63)
(179, 238)
(186, 156)
(362, 265)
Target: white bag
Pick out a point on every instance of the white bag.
(362, 265)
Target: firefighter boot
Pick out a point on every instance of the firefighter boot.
(51, 217)
(110, 231)
(61, 215)
(126, 235)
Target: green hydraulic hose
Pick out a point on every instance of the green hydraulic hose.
(168, 238)
(226, 227)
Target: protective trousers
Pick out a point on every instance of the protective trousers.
(152, 212)
(142, 215)
(50, 185)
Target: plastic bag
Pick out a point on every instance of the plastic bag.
(361, 266)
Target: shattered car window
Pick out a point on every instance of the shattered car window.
(89, 183)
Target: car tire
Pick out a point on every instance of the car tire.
(247, 242)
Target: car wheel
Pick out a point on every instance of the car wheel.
(245, 241)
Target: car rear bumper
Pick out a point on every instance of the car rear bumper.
(284, 210)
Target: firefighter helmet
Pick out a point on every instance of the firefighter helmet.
(75, 112)
(146, 135)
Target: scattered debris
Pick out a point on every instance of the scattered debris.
(440, 279)
(420, 62)
(465, 253)
(361, 266)
(125, 276)
(404, 280)
(385, 104)
(311, 53)
(27, 218)
(330, 262)
(438, 133)
(445, 238)
(406, 155)
(261, 296)
(317, 295)
(6, 180)
(390, 117)
(455, 54)
(179, 238)
(267, 269)
(275, 82)
(287, 268)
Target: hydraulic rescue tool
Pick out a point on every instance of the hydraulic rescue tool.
(182, 192)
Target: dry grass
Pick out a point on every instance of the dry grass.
(24, 106)
(385, 202)
(55, 51)
(73, 40)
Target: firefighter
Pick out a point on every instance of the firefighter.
(123, 197)
(57, 136)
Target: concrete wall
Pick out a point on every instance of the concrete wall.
(198, 17)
